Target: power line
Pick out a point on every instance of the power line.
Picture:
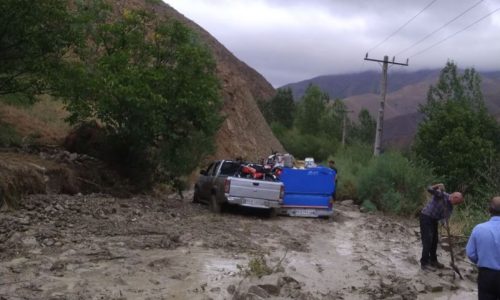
(454, 34)
(439, 29)
(403, 26)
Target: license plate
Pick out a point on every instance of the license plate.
(304, 212)
(254, 202)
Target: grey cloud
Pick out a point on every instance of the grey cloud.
(287, 53)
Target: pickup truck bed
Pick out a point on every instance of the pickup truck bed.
(218, 185)
(254, 193)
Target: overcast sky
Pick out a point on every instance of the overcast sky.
(293, 40)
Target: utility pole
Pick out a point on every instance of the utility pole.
(344, 125)
(383, 88)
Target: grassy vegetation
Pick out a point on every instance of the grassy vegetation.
(349, 161)
(42, 122)
(257, 266)
(8, 136)
(469, 214)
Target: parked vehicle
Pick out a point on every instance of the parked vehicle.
(308, 192)
(224, 182)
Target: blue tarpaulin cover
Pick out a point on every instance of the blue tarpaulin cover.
(308, 187)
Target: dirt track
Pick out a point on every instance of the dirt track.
(100, 247)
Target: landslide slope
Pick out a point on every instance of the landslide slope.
(244, 132)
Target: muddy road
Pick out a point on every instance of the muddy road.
(100, 247)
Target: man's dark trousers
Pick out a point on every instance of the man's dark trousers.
(488, 283)
(429, 235)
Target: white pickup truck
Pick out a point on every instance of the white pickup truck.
(219, 185)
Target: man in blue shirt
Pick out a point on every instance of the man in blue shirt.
(439, 208)
(483, 249)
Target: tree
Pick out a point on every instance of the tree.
(457, 136)
(283, 107)
(280, 109)
(332, 120)
(151, 84)
(364, 130)
(311, 110)
(34, 35)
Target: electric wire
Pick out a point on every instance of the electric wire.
(440, 28)
(455, 33)
(403, 26)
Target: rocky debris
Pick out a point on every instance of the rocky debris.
(284, 287)
(56, 220)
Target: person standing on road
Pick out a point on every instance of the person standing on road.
(439, 208)
(331, 164)
(483, 249)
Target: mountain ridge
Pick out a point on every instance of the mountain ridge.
(406, 91)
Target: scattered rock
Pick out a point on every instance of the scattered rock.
(48, 242)
(347, 202)
(24, 221)
(434, 287)
(396, 297)
(257, 290)
(231, 289)
(419, 287)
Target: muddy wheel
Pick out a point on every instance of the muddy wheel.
(273, 213)
(196, 195)
(215, 206)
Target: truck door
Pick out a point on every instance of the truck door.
(205, 182)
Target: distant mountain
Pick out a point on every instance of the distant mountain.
(406, 91)
(347, 85)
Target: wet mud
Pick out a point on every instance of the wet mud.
(102, 247)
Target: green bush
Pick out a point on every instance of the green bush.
(8, 136)
(368, 206)
(349, 161)
(470, 213)
(394, 183)
(306, 145)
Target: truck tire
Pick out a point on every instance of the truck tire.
(215, 206)
(273, 213)
(196, 195)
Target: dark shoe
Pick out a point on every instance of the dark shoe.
(427, 267)
(437, 265)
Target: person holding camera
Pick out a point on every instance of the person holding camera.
(483, 249)
(439, 208)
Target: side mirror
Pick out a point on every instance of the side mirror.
(203, 172)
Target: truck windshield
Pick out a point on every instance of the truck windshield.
(229, 168)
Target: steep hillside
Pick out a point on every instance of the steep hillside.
(245, 132)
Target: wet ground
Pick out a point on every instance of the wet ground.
(100, 247)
